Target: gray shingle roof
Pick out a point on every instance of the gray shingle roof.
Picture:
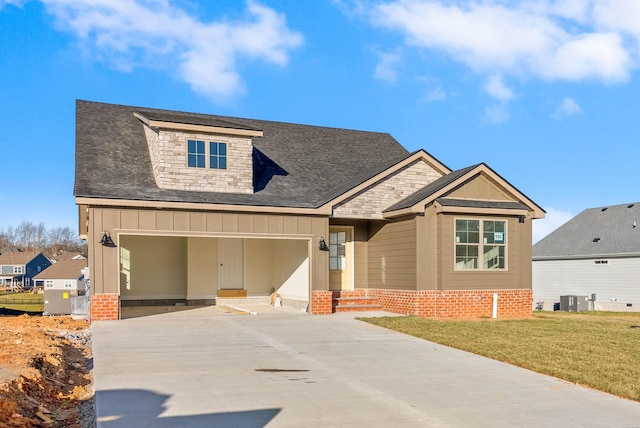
(112, 158)
(604, 231)
(64, 269)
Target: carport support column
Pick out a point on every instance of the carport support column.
(105, 307)
(321, 302)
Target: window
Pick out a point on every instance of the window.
(48, 283)
(475, 253)
(18, 269)
(195, 154)
(337, 250)
(217, 155)
(68, 283)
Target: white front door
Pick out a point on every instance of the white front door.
(230, 264)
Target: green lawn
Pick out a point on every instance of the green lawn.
(596, 349)
(22, 301)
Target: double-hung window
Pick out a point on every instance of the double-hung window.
(217, 155)
(197, 155)
(480, 244)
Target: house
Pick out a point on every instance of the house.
(63, 282)
(17, 269)
(186, 208)
(66, 275)
(596, 254)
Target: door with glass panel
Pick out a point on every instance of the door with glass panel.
(340, 258)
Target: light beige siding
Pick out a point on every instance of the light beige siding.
(481, 187)
(121, 222)
(517, 274)
(392, 255)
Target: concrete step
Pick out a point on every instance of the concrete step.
(357, 308)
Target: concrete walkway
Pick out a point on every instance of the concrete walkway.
(210, 367)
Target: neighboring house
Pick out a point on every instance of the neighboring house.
(18, 269)
(66, 274)
(185, 208)
(596, 254)
(67, 256)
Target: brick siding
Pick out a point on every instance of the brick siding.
(450, 304)
(105, 307)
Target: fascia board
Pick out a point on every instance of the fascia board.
(198, 128)
(93, 202)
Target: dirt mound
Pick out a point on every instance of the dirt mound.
(45, 372)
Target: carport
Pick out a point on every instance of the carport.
(199, 270)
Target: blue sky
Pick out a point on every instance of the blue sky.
(544, 92)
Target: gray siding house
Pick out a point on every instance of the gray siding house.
(17, 269)
(595, 254)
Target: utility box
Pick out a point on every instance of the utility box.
(58, 302)
(574, 303)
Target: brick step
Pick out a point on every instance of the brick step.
(357, 308)
(354, 301)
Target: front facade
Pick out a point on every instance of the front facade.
(17, 269)
(189, 208)
(595, 255)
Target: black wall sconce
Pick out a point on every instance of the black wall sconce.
(322, 246)
(521, 219)
(107, 241)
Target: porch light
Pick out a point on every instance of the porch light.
(107, 241)
(322, 246)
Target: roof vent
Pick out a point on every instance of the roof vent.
(630, 205)
(596, 239)
(604, 209)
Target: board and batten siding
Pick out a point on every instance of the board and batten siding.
(617, 281)
(392, 255)
(104, 263)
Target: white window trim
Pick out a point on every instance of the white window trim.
(480, 244)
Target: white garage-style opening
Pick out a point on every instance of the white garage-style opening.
(203, 270)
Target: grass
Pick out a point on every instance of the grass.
(22, 302)
(600, 350)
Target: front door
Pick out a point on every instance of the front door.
(340, 258)
(230, 264)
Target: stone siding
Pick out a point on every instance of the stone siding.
(370, 202)
(168, 152)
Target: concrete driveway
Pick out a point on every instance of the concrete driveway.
(209, 367)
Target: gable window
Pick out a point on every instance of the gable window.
(217, 155)
(195, 154)
(480, 244)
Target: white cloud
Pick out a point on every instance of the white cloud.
(497, 113)
(552, 220)
(569, 40)
(435, 94)
(568, 107)
(156, 34)
(17, 3)
(497, 89)
(386, 67)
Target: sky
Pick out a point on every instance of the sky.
(544, 92)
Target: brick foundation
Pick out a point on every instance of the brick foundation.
(321, 302)
(441, 304)
(105, 307)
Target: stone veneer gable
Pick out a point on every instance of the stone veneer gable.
(370, 202)
(168, 152)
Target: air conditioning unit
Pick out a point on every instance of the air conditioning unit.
(574, 303)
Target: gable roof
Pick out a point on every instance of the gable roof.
(64, 269)
(595, 232)
(18, 258)
(113, 161)
(438, 190)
